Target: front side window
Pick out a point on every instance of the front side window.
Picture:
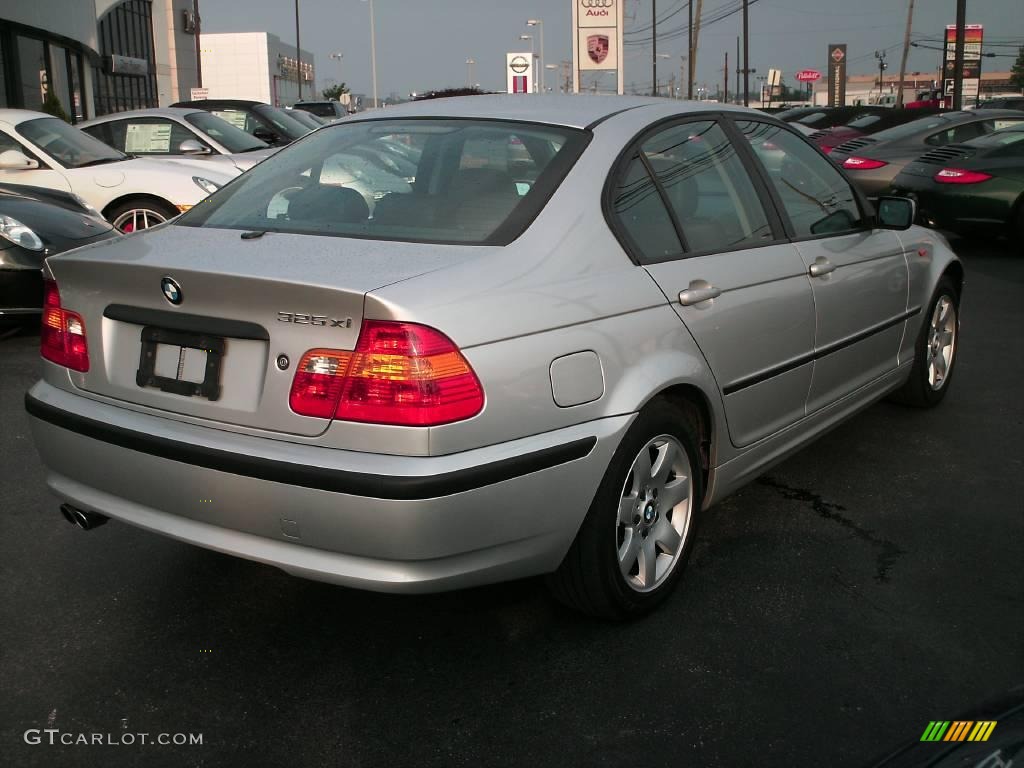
(816, 197)
(231, 137)
(414, 180)
(69, 146)
(707, 187)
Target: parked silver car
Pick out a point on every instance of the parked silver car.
(176, 132)
(583, 322)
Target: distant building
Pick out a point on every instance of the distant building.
(257, 66)
(863, 89)
(96, 56)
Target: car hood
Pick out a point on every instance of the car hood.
(52, 222)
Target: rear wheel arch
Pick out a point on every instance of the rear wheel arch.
(955, 272)
(695, 403)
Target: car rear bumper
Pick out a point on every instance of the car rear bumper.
(387, 523)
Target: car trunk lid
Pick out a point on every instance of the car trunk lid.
(249, 306)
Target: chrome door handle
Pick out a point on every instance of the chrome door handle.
(821, 267)
(693, 296)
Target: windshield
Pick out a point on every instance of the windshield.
(863, 121)
(282, 121)
(306, 119)
(68, 146)
(909, 129)
(233, 139)
(320, 109)
(462, 181)
(1000, 138)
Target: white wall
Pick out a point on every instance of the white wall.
(235, 65)
(175, 51)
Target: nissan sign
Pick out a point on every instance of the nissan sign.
(808, 75)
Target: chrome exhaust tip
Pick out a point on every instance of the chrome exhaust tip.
(79, 517)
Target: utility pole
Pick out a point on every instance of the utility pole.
(298, 52)
(199, 55)
(738, 60)
(696, 37)
(958, 61)
(746, 55)
(725, 72)
(689, 53)
(683, 70)
(654, 52)
(880, 55)
(906, 50)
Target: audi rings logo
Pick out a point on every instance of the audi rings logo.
(597, 3)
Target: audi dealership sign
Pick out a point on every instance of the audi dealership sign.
(597, 38)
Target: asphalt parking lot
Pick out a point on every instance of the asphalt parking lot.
(869, 584)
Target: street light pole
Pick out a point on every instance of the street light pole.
(653, 55)
(533, 69)
(373, 54)
(469, 72)
(539, 23)
(746, 55)
(338, 56)
(298, 52)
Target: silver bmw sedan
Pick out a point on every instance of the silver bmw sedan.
(468, 340)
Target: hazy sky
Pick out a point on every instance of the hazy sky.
(424, 44)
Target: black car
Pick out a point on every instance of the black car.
(329, 110)
(1004, 102)
(810, 119)
(36, 223)
(270, 124)
(977, 186)
(873, 162)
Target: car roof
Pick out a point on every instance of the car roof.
(16, 116)
(154, 112)
(222, 102)
(569, 110)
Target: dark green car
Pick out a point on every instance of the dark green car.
(973, 187)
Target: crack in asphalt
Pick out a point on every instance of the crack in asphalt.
(890, 551)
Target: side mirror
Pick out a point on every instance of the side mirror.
(895, 212)
(193, 147)
(13, 160)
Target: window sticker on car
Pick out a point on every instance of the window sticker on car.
(142, 138)
(234, 117)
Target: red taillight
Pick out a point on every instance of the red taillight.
(854, 163)
(960, 176)
(399, 373)
(62, 339)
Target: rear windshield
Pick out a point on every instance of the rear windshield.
(320, 109)
(864, 121)
(909, 129)
(438, 181)
(282, 121)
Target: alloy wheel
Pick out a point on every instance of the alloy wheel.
(942, 333)
(655, 510)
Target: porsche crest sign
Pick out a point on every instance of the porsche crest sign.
(597, 38)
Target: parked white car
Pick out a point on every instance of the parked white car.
(132, 193)
(172, 133)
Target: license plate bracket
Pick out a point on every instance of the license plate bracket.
(213, 346)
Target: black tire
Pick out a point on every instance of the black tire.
(589, 578)
(918, 390)
(160, 208)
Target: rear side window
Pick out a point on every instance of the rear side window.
(707, 187)
(419, 180)
(638, 207)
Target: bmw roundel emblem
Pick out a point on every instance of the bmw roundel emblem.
(172, 291)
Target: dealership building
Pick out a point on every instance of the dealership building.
(256, 66)
(96, 56)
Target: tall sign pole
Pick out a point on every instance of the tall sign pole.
(746, 55)
(298, 51)
(597, 40)
(958, 57)
(906, 50)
